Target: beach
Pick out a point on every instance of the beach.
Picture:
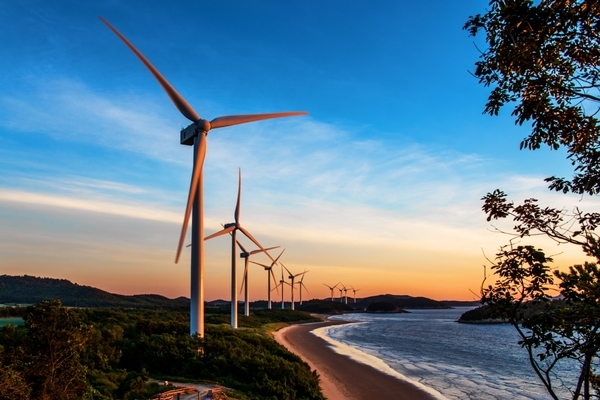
(342, 378)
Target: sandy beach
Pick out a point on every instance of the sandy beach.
(341, 377)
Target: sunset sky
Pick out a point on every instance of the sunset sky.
(379, 187)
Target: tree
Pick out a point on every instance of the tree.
(54, 341)
(542, 57)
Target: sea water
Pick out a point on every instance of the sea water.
(451, 360)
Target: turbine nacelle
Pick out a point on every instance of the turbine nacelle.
(188, 134)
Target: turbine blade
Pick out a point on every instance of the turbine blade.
(196, 174)
(221, 122)
(260, 251)
(237, 204)
(249, 236)
(220, 233)
(274, 280)
(245, 278)
(242, 247)
(305, 288)
(277, 259)
(262, 265)
(176, 98)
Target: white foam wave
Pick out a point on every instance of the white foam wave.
(370, 360)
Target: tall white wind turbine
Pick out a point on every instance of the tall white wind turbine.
(195, 134)
(292, 277)
(270, 273)
(232, 228)
(331, 288)
(246, 256)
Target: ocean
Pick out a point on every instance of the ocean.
(429, 348)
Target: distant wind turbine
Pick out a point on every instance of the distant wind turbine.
(301, 284)
(345, 295)
(195, 134)
(354, 290)
(341, 289)
(331, 288)
(269, 269)
(281, 283)
(292, 277)
(232, 228)
(246, 256)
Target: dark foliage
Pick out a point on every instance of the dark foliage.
(30, 289)
(326, 307)
(383, 306)
(544, 57)
(402, 301)
(110, 353)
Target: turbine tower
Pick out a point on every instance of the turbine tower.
(331, 288)
(301, 284)
(341, 289)
(269, 268)
(281, 283)
(345, 295)
(246, 256)
(354, 290)
(232, 228)
(195, 134)
(292, 277)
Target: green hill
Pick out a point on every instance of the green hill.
(30, 289)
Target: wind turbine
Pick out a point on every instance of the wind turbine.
(269, 268)
(292, 277)
(195, 134)
(246, 256)
(345, 295)
(331, 288)
(341, 289)
(281, 283)
(232, 228)
(354, 290)
(301, 284)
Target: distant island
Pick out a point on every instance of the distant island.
(384, 307)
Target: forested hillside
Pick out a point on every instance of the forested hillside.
(30, 289)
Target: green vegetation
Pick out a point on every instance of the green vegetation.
(544, 57)
(30, 289)
(110, 354)
(326, 307)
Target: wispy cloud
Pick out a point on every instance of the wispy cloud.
(67, 109)
(130, 210)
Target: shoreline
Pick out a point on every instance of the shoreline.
(341, 377)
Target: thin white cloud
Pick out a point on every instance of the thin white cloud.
(92, 205)
(68, 110)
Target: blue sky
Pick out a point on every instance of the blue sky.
(379, 187)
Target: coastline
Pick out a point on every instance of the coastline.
(341, 377)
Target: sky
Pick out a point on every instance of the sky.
(379, 187)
